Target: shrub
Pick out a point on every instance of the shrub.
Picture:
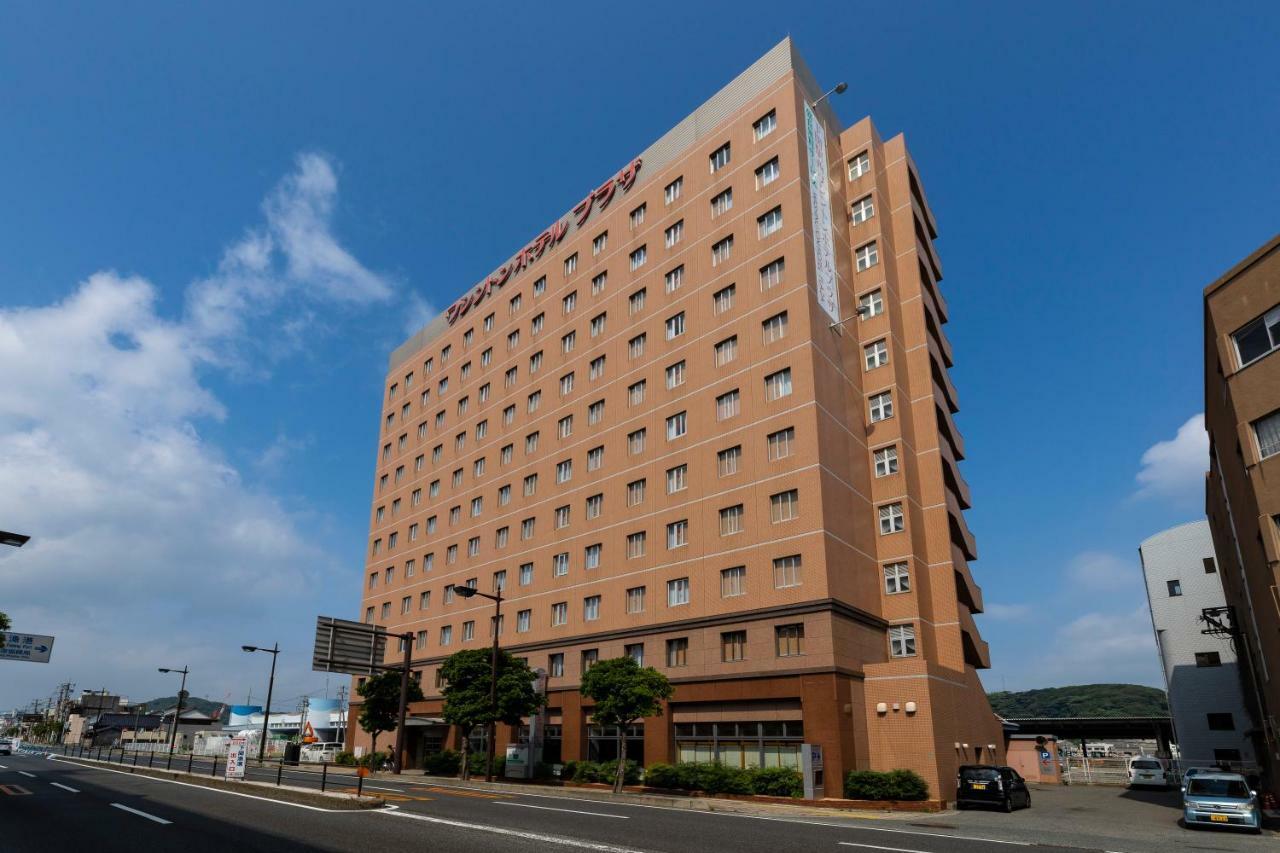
(480, 761)
(719, 779)
(346, 759)
(443, 763)
(586, 771)
(777, 782)
(543, 770)
(567, 769)
(877, 785)
(608, 771)
(373, 760)
(662, 776)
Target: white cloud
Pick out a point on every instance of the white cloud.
(1174, 469)
(999, 612)
(1103, 647)
(1095, 571)
(148, 548)
(418, 313)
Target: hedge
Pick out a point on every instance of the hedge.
(889, 785)
(718, 779)
(443, 763)
(603, 771)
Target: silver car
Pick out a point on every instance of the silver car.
(1220, 800)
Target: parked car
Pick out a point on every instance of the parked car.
(6, 746)
(320, 752)
(985, 785)
(1220, 800)
(1146, 771)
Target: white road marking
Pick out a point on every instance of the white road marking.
(878, 847)
(65, 787)
(28, 775)
(531, 836)
(141, 814)
(4, 766)
(552, 809)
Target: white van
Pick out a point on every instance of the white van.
(1147, 771)
(320, 752)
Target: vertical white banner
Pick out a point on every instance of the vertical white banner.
(824, 255)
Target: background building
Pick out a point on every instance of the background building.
(703, 420)
(1201, 674)
(1242, 493)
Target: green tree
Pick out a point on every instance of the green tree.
(624, 693)
(466, 694)
(381, 709)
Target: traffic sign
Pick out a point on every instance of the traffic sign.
(351, 647)
(32, 648)
(237, 757)
(308, 733)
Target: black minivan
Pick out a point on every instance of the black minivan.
(985, 785)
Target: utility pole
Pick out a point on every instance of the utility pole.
(342, 713)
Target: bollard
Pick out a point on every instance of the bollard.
(324, 775)
(151, 759)
(168, 764)
(213, 771)
(191, 757)
(359, 784)
(279, 772)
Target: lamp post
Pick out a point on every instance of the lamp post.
(837, 89)
(468, 592)
(274, 651)
(177, 712)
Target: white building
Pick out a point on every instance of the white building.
(1210, 722)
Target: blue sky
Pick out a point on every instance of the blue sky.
(216, 219)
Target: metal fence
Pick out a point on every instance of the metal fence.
(1079, 770)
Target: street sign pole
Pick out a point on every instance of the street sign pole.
(404, 701)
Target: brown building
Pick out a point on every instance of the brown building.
(705, 420)
(1242, 492)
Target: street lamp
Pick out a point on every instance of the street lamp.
(177, 712)
(468, 592)
(838, 89)
(271, 683)
(17, 540)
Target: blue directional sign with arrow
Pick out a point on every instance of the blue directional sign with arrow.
(32, 648)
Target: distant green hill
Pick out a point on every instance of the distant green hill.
(204, 706)
(1082, 700)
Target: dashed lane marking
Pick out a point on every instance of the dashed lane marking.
(159, 820)
(571, 811)
(65, 787)
(15, 790)
(28, 775)
(531, 836)
(880, 847)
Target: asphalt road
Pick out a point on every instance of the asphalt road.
(52, 806)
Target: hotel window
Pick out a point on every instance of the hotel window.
(674, 278)
(500, 537)
(482, 429)
(373, 579)
(382, 511)
(477, 506)
(560, 564)
(677, 479)
(728, 405)
(767, 174)
(523, 618)
(862, 210)
(595, 505)
(677, 425)
(678, 652)
(868, 256)
(598, 283)
(771, 273)
(675, 375)
(564, 427)
(567, 342)
(635, 545)
(635, 492)
(391, 393)
(473, 546)
(569, 302)
(533, 400)
(722, 203)
(413, 532)
(635, 393)
(638, 257)
(778, 385)
(386, 448)
(431, 523)
(566, 384)
(786, 571)
(410, 568)
(591, 556)
(1258, 338)
(729, 460)
(444, 359)
(769, 223)
(596, 369)
(635, 599)
(677, 534)
(675, 326)
(635, 346)
(1175, 588)
(463, 403)
(672, 191)
(424, 600)
(597, 324)
(448, 594)
(571, 264)
(427, 367)
(595, 458)
(595, 413)
(484, 392)
(457, 478)
(420, 641)
(506, 453)
(789, 640)
(876, 354)
(902, 641)
(721, 251)
(555, 664)
(428, 561)
(637, 216)
(400, 468)
(886, 461)
(720, 158)
(467, 338)
(731, 518)
(386, 609)
(560, 616)
(726, 351)
(564, 471)
(422, 432)
(509, 415)
(526, 574)
(891, 519)
(1210, 567)
(514, 304)
(635, 651)
(764, 125)
(535, 362)
(591, 608)
(536, 326)
(881, 406)
(722, 299)
(871, 304)
(509, 378)
(677, 592)
(859, 166)
(635, 302)
(673, 233)
(896, 578)
(733, 646)
(635, 441)
(784, 506)
(733, 582)
(774, 328)
(599, 242)
(527, 528)
(1267, 432)
(589, 658)
(446, 635)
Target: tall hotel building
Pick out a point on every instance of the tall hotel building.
(704, 420)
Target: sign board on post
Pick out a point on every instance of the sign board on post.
(237, 756)
(518, 765)
(32, 648)
(350, 647)
(812, 770)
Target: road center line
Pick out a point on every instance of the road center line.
(65, 787)
(878, 847)
(531, 836)
(28, 775)
(141, 814)
(553, 809)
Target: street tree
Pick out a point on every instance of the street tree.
(466, 694)
(624, 693)
(381, 709)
